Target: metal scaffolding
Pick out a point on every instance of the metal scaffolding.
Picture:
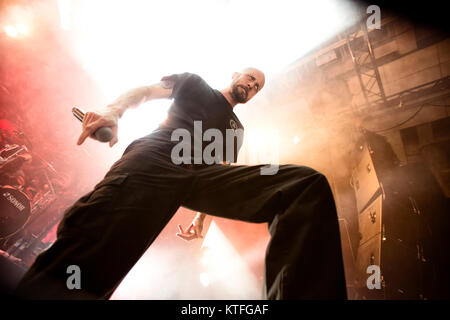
(365, 64)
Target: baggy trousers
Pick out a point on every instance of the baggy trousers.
(106, 231)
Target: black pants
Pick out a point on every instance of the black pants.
(106, 231)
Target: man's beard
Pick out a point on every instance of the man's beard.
(238, 95)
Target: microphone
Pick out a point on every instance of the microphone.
(103, 134)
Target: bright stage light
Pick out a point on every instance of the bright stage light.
(22, 29)
(15, 31)
(137, 123)
(261, 146)
(206, 257)
(296, 140)
(204, 279)
(225, 269)
(213, 38)
(64, 14)
(18, 19)
(11, 31)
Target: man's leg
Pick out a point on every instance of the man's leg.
(106, 232)
(303, 258)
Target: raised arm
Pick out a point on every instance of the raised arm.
(134, 97)
(109, 117)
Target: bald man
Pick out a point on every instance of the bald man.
(107, 230)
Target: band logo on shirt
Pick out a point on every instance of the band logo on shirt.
(233, 124)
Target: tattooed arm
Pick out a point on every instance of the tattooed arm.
(137, 96)
(131, 99)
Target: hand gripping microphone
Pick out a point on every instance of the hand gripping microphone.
(103, 134)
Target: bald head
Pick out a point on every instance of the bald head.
(246, 84)
(258, 74)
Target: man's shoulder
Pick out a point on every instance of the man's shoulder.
(187, 84)
(184, 78)
(191, 77)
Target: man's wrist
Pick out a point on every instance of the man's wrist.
(200, 216)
